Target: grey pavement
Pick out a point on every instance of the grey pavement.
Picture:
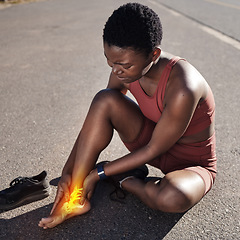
(51, 65)
(222, 15)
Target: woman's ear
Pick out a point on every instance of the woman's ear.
(156, 54)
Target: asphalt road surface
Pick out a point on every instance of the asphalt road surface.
(51, 66)
(221, 15)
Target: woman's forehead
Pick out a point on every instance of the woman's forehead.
(115, 53)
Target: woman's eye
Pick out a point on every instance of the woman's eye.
(127, 67)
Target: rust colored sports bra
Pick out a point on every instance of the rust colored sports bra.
(152, 106)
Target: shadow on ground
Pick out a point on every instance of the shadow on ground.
(106, 220)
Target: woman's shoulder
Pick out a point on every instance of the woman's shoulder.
(184, 77)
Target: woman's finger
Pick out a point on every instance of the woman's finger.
(65, 188)
(83, 196)
(89, 195)
(58, 197)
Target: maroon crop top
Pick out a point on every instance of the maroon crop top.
(152, 106)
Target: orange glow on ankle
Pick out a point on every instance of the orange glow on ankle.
(73, 201)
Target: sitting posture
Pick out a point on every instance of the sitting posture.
(171, 128)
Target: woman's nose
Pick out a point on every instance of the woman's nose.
(116, 70)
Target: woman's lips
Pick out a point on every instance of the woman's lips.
(122, 78)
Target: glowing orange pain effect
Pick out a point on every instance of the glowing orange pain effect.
(73, 202)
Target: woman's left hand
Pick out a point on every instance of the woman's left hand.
(89, 185)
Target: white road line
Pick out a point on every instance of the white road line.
(215, 33)
(222, 37)
(224, 4)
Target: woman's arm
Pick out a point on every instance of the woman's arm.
(115, 83)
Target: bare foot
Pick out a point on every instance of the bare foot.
(57, 217)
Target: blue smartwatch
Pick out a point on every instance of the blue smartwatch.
(101, 173)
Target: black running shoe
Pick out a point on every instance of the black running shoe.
(24, 190)
(119, 194)
(140, 172)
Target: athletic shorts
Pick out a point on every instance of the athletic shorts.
(197, 157)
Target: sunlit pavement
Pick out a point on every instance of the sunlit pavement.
(51, 65)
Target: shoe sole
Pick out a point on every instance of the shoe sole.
(28, 199)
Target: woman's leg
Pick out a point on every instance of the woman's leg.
(109, 110)
(178, 191)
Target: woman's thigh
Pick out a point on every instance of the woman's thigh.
(143, 137)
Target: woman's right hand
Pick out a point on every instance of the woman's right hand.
(63, 190)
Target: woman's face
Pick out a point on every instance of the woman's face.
(127, 64)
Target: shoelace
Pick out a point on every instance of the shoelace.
(117, 195)
(13, 183)
(17, 180)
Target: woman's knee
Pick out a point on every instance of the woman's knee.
(116, 102)
(172, 199)
(165, 199)
(105, 99)
(123, 113)
(107, 96)
(177, 195)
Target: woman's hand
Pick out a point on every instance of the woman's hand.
(89, 185)
(63, 190)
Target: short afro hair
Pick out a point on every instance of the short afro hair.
(133, 25)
